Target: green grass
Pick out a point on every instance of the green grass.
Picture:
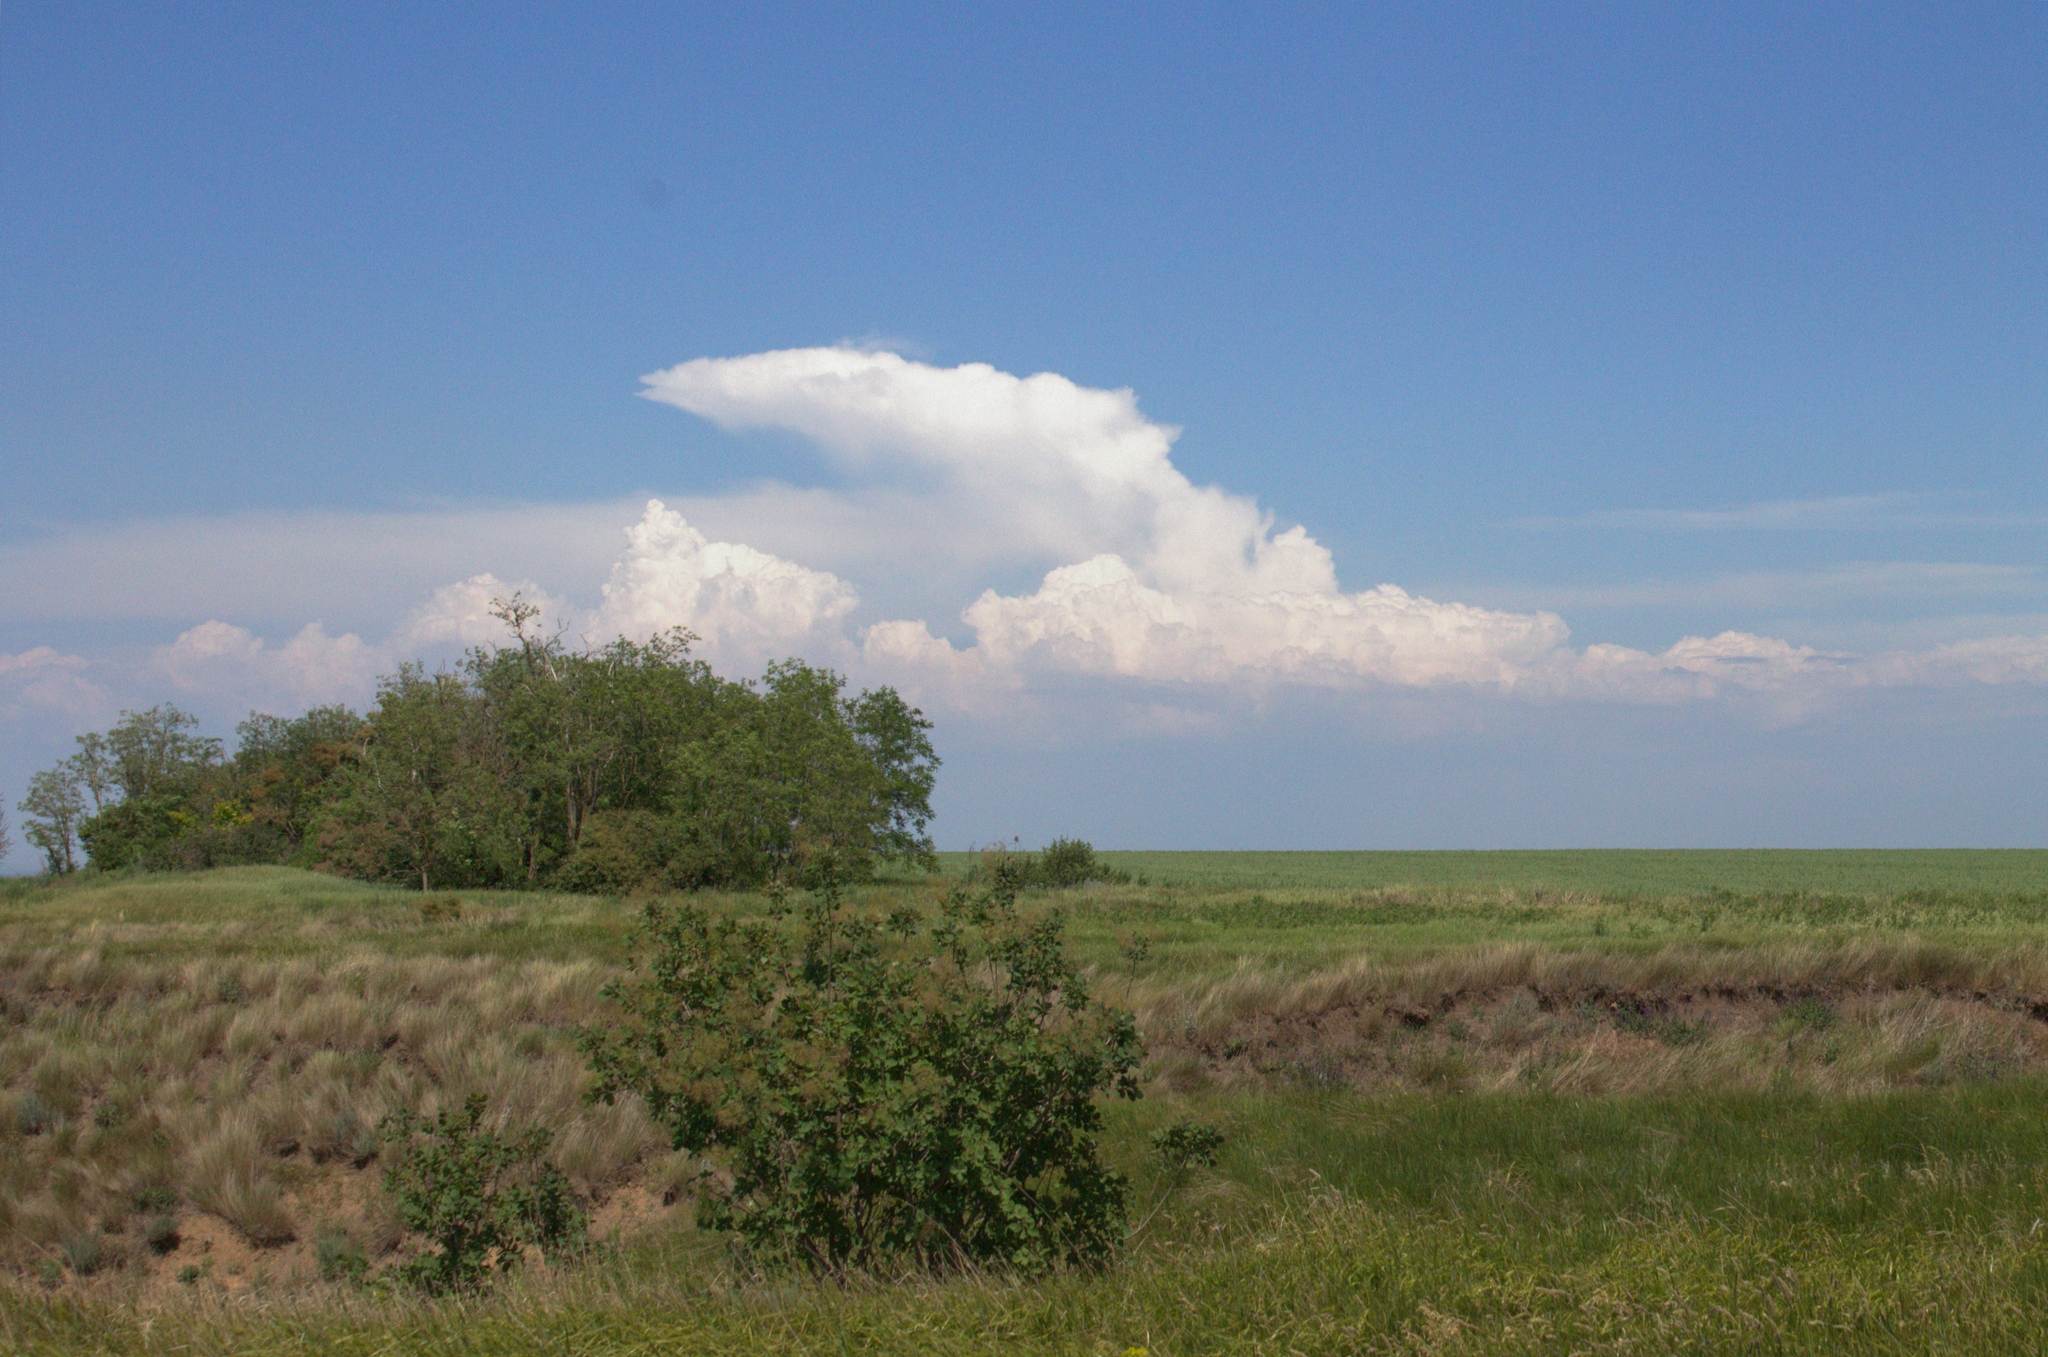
(1909, 1223)
(1647, 873)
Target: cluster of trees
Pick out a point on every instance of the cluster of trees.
(610, 769)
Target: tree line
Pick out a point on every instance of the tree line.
(626, 766)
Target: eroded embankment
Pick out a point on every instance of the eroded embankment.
(1860, 1018)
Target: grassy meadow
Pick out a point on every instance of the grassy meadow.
(1475, 1102)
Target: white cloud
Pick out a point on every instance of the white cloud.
(223, 661)
(43, 679)
(738, 599)
(1157, 578)
(460, 613)
(1145, 593)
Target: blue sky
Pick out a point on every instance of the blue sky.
(1670, 322)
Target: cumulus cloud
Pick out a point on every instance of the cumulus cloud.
(460, 613)
(43, 679)
(219, 658)
(1156, 579)
(737, 599)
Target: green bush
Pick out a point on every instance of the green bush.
(1060, 865)
(877, 1091)
(480, 1198)
(1071, 862)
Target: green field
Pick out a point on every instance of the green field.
(1480, 1102)
(1650, 873)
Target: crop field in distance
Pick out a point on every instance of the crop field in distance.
(1473, 1103)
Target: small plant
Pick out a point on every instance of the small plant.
(879, 1090)
(84, 1254)
(441, 909)
(480, 1198)
(33, 1116)
(190, 1274)
(107, 1116)
(50, 1272)
(228, 989)
(340, 1258)
(1812, 1012)
(156, 1198)
(1187, 1142)
(161, 1234)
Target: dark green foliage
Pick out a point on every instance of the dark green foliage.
(616, 769)
(879, 1090)
(479, 1197)
(1187, 1142)
(1070, 862)
(157, 1198)
(161, 1234)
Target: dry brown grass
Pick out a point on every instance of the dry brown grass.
(240, 1087)
(1854, 1018)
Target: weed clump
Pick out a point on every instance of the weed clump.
(875, 1091)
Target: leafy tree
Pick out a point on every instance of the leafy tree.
(880, 1089)
(285, 767)
(416, 801)
(6, 837)
(147, 777)
(52, 810)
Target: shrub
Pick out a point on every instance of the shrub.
(480, 1198)
(1064, 863)
(1071, 862)
(879, 1090)
(156, 1198)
